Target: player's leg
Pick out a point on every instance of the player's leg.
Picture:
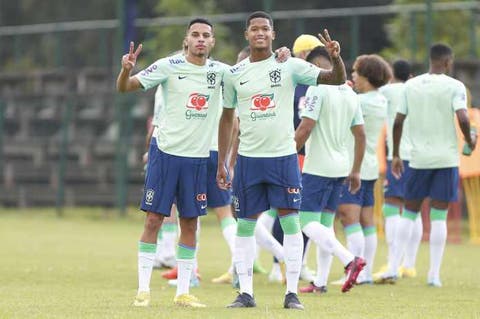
(168, 236)
(369, 230)
(444, 189)
(191, 198)
(276, 274)
(156, 202)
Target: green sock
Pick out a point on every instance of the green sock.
(185, 252)
(327, 219)
(369, 230)
(246, 227)
(308, 217)
(272, 212)
(227, 221)
(438, 214)
(409, 214)
(290, 224)
(390, 210)
(353, 228)
(147, 247)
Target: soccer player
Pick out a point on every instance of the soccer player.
(179, 153)
(356, 210)
(394, 189)
(331, 115)
(267, 173)
(431, 102)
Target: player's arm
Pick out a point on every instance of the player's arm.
(224, 141)
(303, 131)
(397, 164)
(337, 75)
(353, 179)
(234, 147)
(464, 123)
(126, 82)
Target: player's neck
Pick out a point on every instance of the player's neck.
(197, 60)
(257, 55)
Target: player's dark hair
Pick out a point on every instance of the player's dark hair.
(316, 53)
(374, 68)
(401, 70)
(199, 20)
(440, 51)
(258, 14)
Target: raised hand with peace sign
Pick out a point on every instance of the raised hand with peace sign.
(130, 59)
(332, 47)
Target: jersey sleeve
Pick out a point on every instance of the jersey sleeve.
(313, 103)
(459, 98)
(303, 72)
(402, 107)
(229, 92)
(358, 116)
(155, 74)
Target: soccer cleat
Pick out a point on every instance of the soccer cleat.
(312, 288)
(306, 274)
(275, 274)
(243, 300)
(387, 280)
(381, 271)
(188, 301)
(226, 278)
(407, 272)
(435, 283)
(142, 299)
(292, 302)
(194, 282)
(170, 274)
(352, 270)
(258, 268)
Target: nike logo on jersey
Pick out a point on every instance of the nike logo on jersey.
(181, 77)
(242, 83)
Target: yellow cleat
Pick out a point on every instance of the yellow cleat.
(188, 301)
(379, 273)
(142, 299)
(226, 278)
(407, 272)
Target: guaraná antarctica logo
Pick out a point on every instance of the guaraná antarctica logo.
(197, 103)
(259, 105)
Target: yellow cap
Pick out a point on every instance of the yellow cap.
(306, 42)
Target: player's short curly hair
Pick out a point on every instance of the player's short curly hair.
(374, 68)
(258, 14)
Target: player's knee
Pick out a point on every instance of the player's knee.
(153, 222)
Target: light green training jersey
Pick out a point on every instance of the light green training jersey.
(190, 113)
(430, 104)
(374, 110)
(335, 108)
(395, 94)
(263, 93)
(157, 106)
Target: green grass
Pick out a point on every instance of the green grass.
(84, 266)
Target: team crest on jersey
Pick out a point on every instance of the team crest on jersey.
(149, 196)
(211, 79)
(275, 77)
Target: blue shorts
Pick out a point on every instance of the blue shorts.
(363, 198)
(178, 179)
(320, 193)
(261, 183)
(393, 187)
(216, 197)
(438, 184)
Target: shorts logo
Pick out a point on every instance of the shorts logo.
(296, 199)
(262, 102)
(293, 190)
(149, 196)
(201, 197)
(236, 204)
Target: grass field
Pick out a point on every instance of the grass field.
(84, 266)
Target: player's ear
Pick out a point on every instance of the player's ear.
(213, 42)
(273, 35)
(246, 34)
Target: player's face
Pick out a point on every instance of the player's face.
(260, 34)
(360, 83)
(199, 40)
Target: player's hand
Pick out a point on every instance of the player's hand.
(353, 181)
(282, 54)
(222, 178)
(130, 59)
(473, 142)
(332, 47)
(145, 158)
(397, 167)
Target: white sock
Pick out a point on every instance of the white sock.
(404, 230)
(267, 220)
(324, 264)
(145, 266)
(438, 238)
(185, 270)
(413, 244)
(307, 248)
(229, 233)
(355, 239)
(169, 243)
(391, 223)
(369, 253)
(265, 240)
(293, 246)
(323, 237)
(160, 251)
(243, 257)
